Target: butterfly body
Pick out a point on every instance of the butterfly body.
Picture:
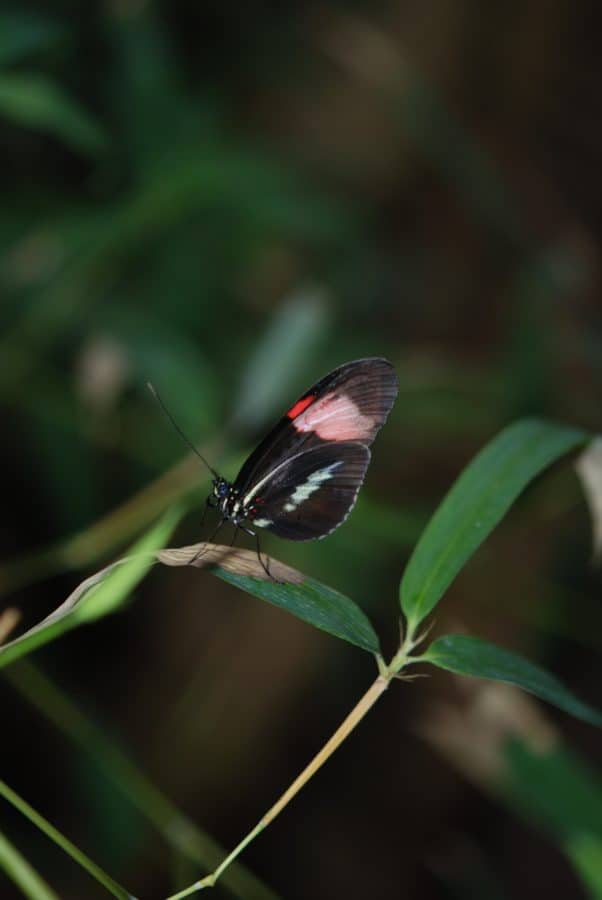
(302, 481)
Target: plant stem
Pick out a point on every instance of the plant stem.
(176, 828)
(342, 732)
(74, 852)
(22, 873)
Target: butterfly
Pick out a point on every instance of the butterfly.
(302, 481)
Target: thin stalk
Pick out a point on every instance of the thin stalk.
(386, 672)
(177, 829)
(22, 873)
(342, 732)
(64, 843)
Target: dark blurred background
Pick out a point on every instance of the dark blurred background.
(230, 200)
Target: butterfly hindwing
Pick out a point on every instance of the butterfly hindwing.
(350, 404)
(311, 493)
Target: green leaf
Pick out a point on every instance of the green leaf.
(467, 655)
(571, 812)
(585, 851)
(573, 808)
(36, 102)
(63, 842)
(290, 339)
(98, 595)
(22, 34)
(315, 603)
(22, 873)
(475, 504)
(309, 600)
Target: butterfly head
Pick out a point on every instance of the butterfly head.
(221, 488)
(222, 496)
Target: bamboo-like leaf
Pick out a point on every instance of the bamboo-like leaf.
(64, 843)
(97, 595)
(466, 655)
(589, 470)
(36, 102)
(475, 504)
(571, 812)
(585, 852)
(22, 873)
(290, 339)
(309, 600)
(108, 589)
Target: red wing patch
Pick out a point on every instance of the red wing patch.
(336, 417)
(299, 406)
(349, 404)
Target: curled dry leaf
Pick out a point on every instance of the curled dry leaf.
(84, 604)
(107, 590)
(53, 623)
(230, 559)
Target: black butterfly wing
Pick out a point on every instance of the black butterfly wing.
(351, 403)
(312, 493)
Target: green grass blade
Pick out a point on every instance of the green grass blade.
(472, 656)
(177, 830)
(475, 504)
(64, 843)
(22, 873)
(97, 596)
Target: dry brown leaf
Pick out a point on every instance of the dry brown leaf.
(234, 560)
(231, 559)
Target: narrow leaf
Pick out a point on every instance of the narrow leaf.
(475, 504)
(573, 808)
(585, 852)
(467, 655)
(571, 811)
(305, 598)
(36, 102)
(299, 323)
(98, 595)
(589, 470)
(22, 873)
(23, 33)
(63, 842)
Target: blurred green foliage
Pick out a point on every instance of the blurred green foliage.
(229, 201)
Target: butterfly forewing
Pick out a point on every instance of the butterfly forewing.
(349, 404)
(310, 494)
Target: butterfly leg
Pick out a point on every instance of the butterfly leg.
(210, 541)
(266, 568)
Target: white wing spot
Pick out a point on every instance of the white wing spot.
(303, 491)
(262, 523)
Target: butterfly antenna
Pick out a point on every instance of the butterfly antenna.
(189, 443)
